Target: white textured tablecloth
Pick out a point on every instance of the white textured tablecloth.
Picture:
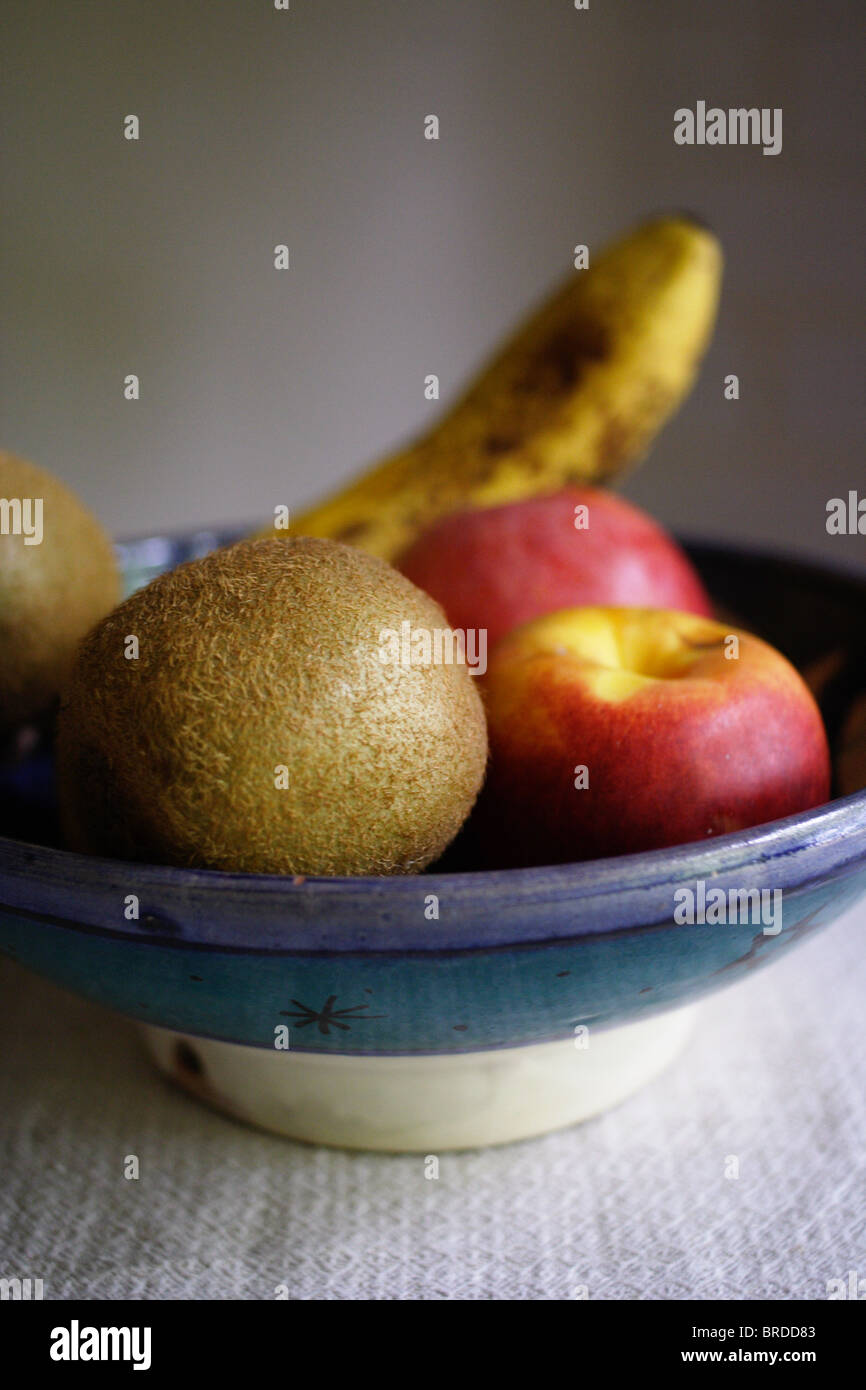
(635, 1204)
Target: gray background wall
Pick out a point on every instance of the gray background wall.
(411, 256)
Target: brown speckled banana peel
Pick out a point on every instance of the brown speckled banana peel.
(575, 396)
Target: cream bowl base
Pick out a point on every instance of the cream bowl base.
(423, 1104)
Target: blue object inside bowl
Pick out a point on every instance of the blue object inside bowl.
(513, 957)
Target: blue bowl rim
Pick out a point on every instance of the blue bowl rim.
(812, 846)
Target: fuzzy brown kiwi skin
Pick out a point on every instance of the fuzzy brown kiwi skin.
(262, 655)
(51, 594)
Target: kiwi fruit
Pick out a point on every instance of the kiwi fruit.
(259, 729)
(58, 576)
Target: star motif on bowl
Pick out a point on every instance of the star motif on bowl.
(328, 1017)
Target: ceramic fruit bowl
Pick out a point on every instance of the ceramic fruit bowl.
(450, 1009)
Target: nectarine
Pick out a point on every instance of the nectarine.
(497, 567)
(615, 730)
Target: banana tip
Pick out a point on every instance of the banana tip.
(686, 215)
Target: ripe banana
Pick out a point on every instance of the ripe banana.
(575, 396)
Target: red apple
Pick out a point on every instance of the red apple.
(497, 567)
(685, 728)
